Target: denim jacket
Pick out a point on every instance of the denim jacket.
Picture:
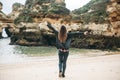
(66, 44)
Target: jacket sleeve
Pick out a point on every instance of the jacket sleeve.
(50, 27)
(67, 45)
(75, 34)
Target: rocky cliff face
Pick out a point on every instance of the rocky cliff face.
(1, 6)
(16, 10)
(36, 10)
(93, 12)
(101, 12)
(113, 10)
(31, 26)
(5, 22)
(2, 15)
(104, 22)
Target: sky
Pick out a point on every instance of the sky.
(70, 4)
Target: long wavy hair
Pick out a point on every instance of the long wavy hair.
(62, 35)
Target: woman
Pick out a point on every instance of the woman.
(63, 40)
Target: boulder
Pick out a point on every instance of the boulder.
(114, 16)
(26, 34)
(1, 6)
(16, 10)
(37, 10)
(5, 22)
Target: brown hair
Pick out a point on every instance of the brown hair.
(62, 35)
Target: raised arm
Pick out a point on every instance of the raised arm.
(75, 34)
(50, 27)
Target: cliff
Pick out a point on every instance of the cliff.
(36, 10)
(113, 10)
(31, 26)
(30, 18)
(16, 10)
(5, 22)
(93, 12)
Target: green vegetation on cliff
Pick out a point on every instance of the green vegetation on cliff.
(94, 11)
(46, 6)
(1, 4)
(41, 9)
(57, 9)
(17, 4)
(24, 17)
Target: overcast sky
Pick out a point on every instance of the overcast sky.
(70, 4)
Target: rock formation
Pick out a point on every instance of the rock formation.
(36, 10)
(16, 10)
(35, 13)
(93, 12)
(93, 16)
(0, 16)
(31, 26)
(1, 5)
(113, 10)
(27, 34)
(5, 22)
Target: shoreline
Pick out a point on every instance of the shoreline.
(46, 68)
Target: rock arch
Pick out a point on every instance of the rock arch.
(7, 28)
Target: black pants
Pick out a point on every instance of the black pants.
(62, 61)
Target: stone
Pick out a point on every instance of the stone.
(16, 10)
(1, 6)
(114, 16)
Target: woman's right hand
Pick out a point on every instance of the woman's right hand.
(48, 24)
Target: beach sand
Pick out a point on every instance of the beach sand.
(46, 68)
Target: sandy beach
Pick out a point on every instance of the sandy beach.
(45, 68)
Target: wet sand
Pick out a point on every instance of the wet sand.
(78, 68)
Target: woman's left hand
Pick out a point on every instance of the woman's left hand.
(86, 33)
